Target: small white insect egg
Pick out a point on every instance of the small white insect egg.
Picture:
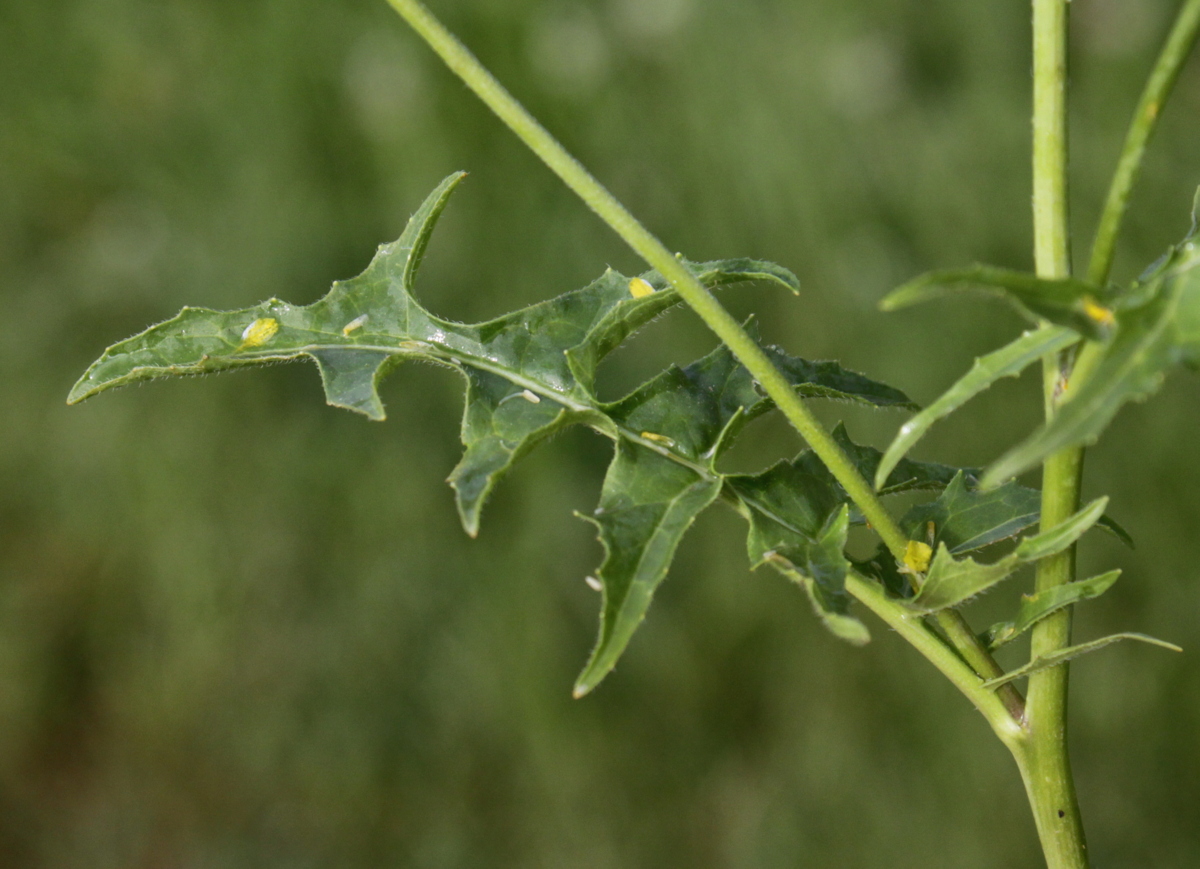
(593, 583)
(355, 324)
(531, 397)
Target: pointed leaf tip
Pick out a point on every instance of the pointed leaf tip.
(1062, 656)
(1033, 608)
(952, 581)
(646, 506)
(1008, 361)
(420, 226)
(1068, 302)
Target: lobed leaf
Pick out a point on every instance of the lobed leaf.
(826, 568)
(1158, 327)
(671, 432)
(951, 581)
(1035, 607)
(529, 374)
(1008, 361)
(795, 510)
(968, 518)
(1067, 302)
(646, 505)
(965, 519)
(1045, 662)
(795, 513)
(904, 475)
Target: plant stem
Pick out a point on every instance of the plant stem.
(994, 705)
(1175, 51)
(1043, 759)
(721, 322)
(1044, 762)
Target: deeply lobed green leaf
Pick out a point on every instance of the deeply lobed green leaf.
(529, 374)
(952, 581)
(794, 509)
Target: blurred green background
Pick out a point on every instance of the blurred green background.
(241, 629)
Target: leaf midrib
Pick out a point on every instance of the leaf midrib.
(453, 358)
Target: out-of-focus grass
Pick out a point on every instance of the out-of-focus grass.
(204, 665)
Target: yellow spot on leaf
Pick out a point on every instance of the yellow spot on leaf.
(1096, 312)
(917, 556)
(658, 439)
(639, 288)
(259, 332)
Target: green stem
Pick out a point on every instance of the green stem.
(1046, 765)
(744, 348)
(1175, 51)
(1043, 759)
(993, 705)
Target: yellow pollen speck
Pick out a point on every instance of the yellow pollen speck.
(917, 556)
(259, 332)
(1096, 312)
(658, 439)
(639, 288)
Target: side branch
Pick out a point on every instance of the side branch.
(1175, 52)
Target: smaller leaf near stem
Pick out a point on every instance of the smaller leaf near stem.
(951, 582)
(1063, 301)
(1158, 328)
(1175, 51)
(1037, 606)
(1008, 361)
(1061, 656)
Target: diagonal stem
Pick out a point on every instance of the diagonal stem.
(1175, 51)
(464, 64)
(1180, 43)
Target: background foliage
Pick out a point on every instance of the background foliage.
(239, 628)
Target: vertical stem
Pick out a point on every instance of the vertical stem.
(1044, 762)
(1051, 241)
